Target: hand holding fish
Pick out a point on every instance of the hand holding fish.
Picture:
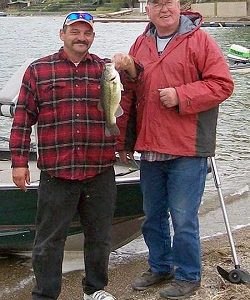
(125, 62)
(169, 97)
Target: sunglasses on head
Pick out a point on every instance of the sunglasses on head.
(78, 16)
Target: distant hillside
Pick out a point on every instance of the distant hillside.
(64, 6)
(47, 6)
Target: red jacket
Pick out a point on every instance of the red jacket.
(194, 65)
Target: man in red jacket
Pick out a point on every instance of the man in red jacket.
(170, 117)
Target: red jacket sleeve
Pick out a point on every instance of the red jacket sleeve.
(215, 83)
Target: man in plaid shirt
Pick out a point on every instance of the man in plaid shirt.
(61, 93)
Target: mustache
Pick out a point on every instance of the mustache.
(81, 43)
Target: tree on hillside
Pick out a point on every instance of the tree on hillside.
(124, 3)
(99, 2)
(131, 3)
(3, 4)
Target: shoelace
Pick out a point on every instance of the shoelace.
(179, 283)
(102, 295)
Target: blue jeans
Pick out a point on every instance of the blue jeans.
(173, 188)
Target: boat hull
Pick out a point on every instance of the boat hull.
(239, 67)
(18, 212)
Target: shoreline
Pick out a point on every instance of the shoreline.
(216, 23)
(136, 17)
(215, 251)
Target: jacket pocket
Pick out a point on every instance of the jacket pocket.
(52, 95)
(52, 91)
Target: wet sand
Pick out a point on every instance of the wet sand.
(16, 276)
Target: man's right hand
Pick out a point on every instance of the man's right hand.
(21, 177)
(125, 62)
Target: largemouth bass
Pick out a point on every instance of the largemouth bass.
(111, 88)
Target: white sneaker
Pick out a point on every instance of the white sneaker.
(99, 295)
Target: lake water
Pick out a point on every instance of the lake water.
(26, 37)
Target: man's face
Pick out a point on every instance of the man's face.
(164, 13)
(77, 38)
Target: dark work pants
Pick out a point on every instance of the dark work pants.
(58, 201)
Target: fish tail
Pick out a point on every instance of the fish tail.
(112, 130)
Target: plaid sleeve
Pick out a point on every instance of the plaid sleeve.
(25, 116)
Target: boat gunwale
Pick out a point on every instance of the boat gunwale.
(34, 185)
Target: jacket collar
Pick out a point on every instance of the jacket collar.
(189, 21)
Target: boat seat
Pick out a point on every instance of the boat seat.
(9, 93)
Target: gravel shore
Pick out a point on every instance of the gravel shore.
(216, 251)
(16, 276)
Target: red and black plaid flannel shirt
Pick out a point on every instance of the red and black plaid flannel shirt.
(62, 99)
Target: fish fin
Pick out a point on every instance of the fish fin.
(119, 112)
(112, 130)
(107, 132)
(122, 88)
(99, 106)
